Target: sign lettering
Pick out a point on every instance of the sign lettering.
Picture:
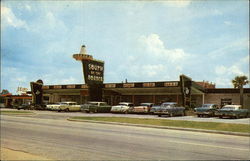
(93, 71)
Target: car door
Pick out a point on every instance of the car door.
(214, 109)
(73, 107)
(104, 107)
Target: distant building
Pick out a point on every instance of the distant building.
(10, 100)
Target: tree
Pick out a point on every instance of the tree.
(239, 82)
(4, 91)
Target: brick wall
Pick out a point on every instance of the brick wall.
(216, 98)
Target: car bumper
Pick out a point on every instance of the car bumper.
(161, 113)
(226, 114)
(204, 113)
(140, 111)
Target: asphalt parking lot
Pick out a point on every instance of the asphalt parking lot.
(65, 115)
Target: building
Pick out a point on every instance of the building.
(10, 100)
(155, 92)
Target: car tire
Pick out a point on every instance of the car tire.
(159, 115)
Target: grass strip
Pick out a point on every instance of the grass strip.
(15, 112)
(174, 123)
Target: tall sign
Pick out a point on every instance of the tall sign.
(186, 84)
(93, 70)
(37, 92)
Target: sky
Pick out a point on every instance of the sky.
(140, 41)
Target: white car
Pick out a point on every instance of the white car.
(69, 106)
(143, 108)
(53, 107)
(123, 107)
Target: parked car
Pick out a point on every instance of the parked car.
(38, 107)
(154, 109)
(206, 110)
(96, 107)
(123, 107)
(24, 106)
(170, 109)
(143, 108)
(232, 111)
(53, 107)
(69, 106)
(2, 105)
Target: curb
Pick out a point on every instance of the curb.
(166, 127)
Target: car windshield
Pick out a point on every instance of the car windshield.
(124, 104)
(168, 105)
(206, 105)
(229, 108)
(93, 103)
(145, 104)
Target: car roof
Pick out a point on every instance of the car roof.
(125, 103)
(169, 103)
(236, 106)
(96, 102)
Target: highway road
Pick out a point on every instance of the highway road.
(60, 139)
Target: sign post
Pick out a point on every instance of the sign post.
(186, 84)
(93, 70)
(37, 92)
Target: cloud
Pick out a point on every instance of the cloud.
(226, 73)
(13, 77)
(9, 19)
(177, 3)
(28, 7)
(245, 60)
(232, 46)
(50, 79)
(155, 46)
(233, 70)
(48, 24)
(220, 70)
(152, 70)
(216, 12)
(228, 23)
(224, 82)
